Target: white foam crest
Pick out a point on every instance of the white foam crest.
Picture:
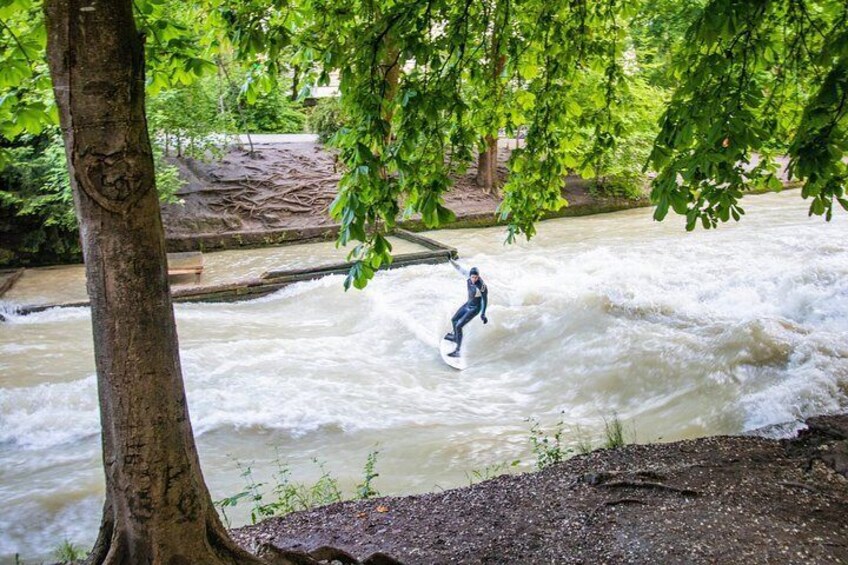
(49, 316)
(48, 415)
(204, 311)
(7, 309)
(298, 385)
(814, 381)
(300, 288)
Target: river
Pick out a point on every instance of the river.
(680, 334)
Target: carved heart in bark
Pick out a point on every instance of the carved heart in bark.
(115, 181)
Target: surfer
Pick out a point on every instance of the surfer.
(478, 296)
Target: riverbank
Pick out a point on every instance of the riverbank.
(720, 499)
(281, 193)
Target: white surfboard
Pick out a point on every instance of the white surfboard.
(446, 347)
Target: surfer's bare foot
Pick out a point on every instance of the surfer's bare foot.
(454, 354)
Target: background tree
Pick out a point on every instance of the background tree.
(487, 85)
(402, 144)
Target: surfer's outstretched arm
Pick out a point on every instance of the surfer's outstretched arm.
(459, 268)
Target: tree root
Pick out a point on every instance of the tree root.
(634, 480)
(325, 554)
(622, 501)
(224, 188)
(650, 485)
(596, 479)
(330, 554)
(269, 198)
(274, 556)
(797, 485)
(113, 547)
(228, 179)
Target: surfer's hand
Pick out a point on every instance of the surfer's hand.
(485, 319)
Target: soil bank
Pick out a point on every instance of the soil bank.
(281, 194)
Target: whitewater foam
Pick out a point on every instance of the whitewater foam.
(680, 334)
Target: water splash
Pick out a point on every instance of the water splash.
(682, 334)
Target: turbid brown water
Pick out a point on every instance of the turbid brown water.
(683, 335)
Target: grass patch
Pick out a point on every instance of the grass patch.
(67, 552)
(287, 496)
(614, 432)
(491, 471)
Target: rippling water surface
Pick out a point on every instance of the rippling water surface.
(682, 335)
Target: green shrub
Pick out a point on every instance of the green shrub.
(624, 185)
(272, 113)
(548, 449)
(287, 496)
(37, 220)
(614, 433)
(326, 118)
(38, 225)
(186, 120)
(365, 489)
(551, 449)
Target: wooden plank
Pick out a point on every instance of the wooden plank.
(269, 282)
(342, 268)
(426, 242)
(185, 263)
(8, 278)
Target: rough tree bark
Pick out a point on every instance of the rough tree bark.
(158, 509)
(295, 89)
(487, 166)
(487, 160)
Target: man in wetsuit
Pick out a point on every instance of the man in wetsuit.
(478, 296)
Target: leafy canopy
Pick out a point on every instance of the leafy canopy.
(424, 82)
(757, 80)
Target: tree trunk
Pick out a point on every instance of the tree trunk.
(487, 166)
(295, 89)
(391, 69)
(158, 509)
(487, 160)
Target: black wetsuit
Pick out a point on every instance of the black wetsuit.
(477, 297)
